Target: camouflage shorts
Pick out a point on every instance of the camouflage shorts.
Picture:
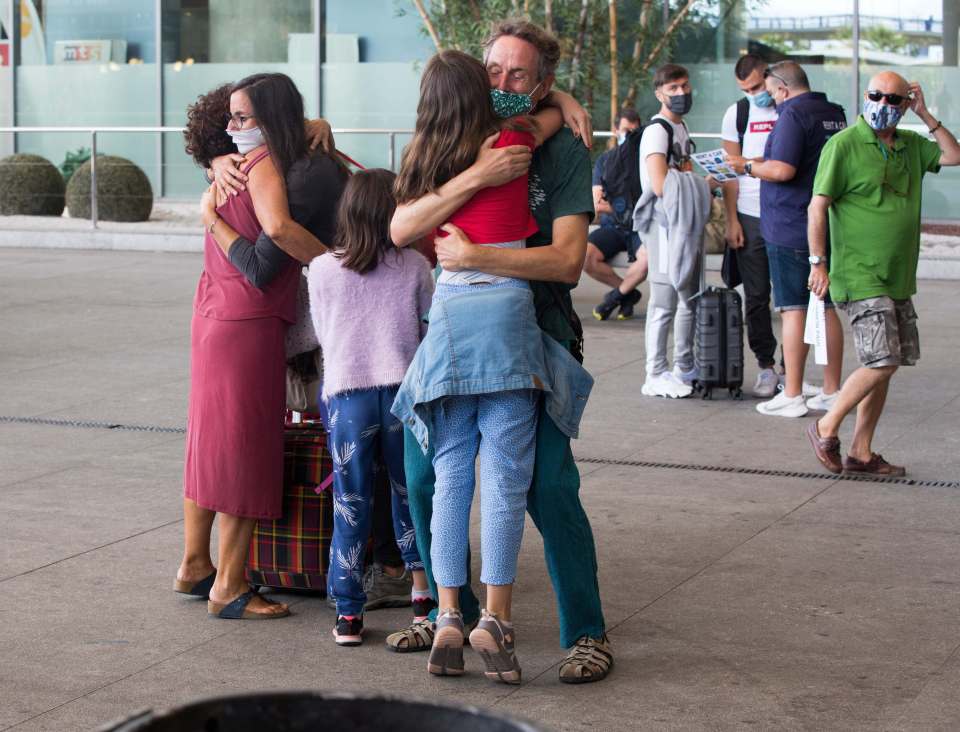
(884, 331)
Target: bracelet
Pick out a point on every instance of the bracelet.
(212, 224)
(939, 125)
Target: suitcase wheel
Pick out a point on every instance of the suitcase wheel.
(707, 393)
(736, 393)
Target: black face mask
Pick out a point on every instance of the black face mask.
(680, 103)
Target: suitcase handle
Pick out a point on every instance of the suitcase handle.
(327, 482)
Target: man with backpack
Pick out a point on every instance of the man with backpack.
(746, 126)
(615, 234)
(786, 172)
(671, 212)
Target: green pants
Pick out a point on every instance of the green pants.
(554, 505)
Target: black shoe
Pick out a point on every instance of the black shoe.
(627, 303)
(611, 301)
(348, 631)
(422, 607)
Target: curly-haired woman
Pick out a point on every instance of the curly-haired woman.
(245, 300)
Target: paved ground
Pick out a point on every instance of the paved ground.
(733, 600)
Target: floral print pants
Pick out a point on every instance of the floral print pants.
(361, 430)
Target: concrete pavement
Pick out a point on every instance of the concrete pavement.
(733, 600)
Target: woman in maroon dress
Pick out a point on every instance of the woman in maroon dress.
(245, 300)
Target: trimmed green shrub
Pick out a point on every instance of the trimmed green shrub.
(123, 191)
(30, 186)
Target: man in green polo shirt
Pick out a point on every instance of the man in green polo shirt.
(869, 181)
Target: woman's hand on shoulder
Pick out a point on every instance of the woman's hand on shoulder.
(319, 134)
(227, 175)
(495, 166)
(574, 116)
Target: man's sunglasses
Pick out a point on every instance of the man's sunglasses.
(768, 73)
(895, 99)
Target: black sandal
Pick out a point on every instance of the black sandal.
(237, 609)
(197, 589)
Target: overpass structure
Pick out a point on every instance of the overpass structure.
(815, 27)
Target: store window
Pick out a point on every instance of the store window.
(207, 43)
(87, 62)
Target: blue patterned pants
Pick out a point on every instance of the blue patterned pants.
(501, 428)
(361, 428)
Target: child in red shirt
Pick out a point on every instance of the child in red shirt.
(484, 336)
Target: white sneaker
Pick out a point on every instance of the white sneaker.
(808, 389)
(767, 382)
(685, 377)
(822, 402)
(783, 406)
(664, 385)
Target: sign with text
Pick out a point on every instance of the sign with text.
(89, 52)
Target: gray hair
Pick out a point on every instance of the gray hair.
(791, 74)
(548, 48)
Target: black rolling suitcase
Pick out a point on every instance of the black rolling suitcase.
(718, 339)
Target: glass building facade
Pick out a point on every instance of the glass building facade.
(134, 63)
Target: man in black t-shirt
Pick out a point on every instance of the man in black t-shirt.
(612, 236)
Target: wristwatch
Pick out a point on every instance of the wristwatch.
(748, 168)
(814, 259)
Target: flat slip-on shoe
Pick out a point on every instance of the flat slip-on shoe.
(195, 589)
(237, 609)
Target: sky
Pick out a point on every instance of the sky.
(891, 8)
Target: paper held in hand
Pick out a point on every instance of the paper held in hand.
(714, 162)
(815, 330)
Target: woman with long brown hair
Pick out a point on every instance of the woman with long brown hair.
(245, 300)
(475, 383)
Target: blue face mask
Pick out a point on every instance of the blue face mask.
(762, 100)
(508, 104)
(881, 116)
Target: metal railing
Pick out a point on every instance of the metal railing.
(391, 135)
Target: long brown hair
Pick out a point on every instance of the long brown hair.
(454, 117)
(363, 220)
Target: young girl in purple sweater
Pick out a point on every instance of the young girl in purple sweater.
(367, 300)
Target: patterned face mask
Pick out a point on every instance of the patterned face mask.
(510, 104)
(881, 116)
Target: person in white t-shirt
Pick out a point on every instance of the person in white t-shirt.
(746, 135)
(666, 144)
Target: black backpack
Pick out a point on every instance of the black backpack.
(621, 172)
(743, 115)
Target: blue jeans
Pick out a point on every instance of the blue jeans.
(500, 427)
(554, 505)
(360, 426)
(789, 272)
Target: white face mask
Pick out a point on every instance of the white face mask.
(246, 140)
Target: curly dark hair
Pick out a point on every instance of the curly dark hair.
(206, 131)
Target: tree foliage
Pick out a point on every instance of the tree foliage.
(604, 70)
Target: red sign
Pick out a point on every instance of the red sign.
(764, 126)
(4, 53)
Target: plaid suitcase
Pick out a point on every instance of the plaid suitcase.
(294, 551)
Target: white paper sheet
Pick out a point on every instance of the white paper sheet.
(714, 162)
(815, 330)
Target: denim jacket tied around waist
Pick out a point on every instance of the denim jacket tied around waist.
(483, 339)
